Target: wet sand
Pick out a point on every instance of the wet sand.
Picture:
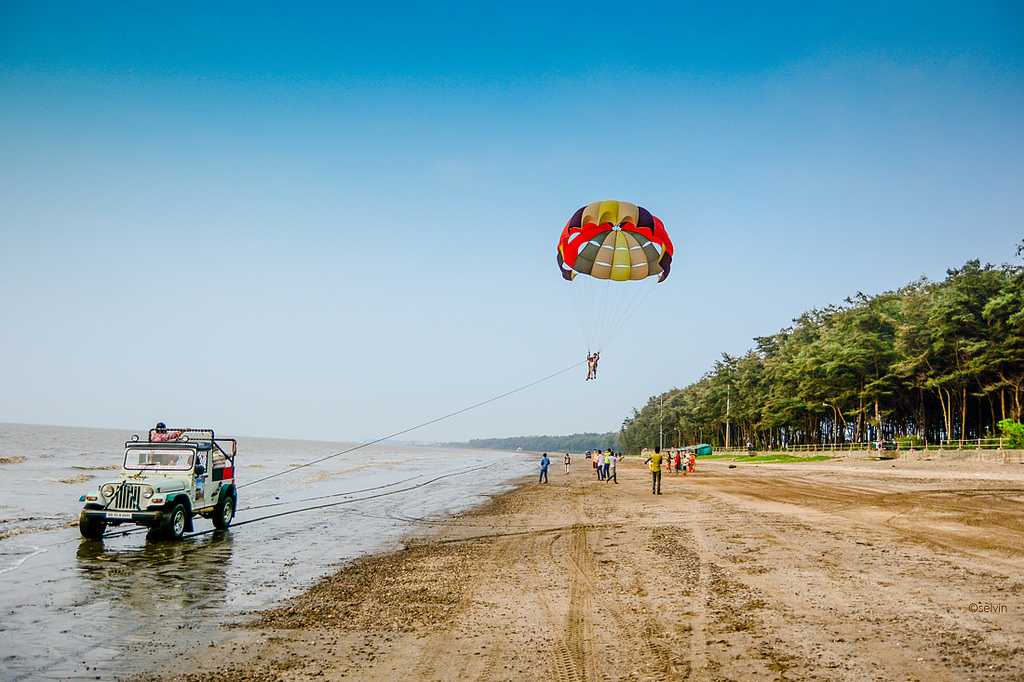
(840, 570)
(127, 605)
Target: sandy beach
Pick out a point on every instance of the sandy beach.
(866, 570)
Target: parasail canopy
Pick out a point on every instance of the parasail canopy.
(614, 240)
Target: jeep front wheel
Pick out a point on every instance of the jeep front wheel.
(224, 512)
(177, 519)
(91, 527)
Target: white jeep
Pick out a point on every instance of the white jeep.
(166, 480)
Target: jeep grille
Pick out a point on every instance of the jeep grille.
(126, 498)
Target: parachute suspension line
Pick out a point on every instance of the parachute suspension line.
(607, 296)
(599, 297)
(637, 301)
(420, 425)
(620, 301)
(592, 294)
(624, 305)
(578, 305)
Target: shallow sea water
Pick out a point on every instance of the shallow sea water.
(79, 609)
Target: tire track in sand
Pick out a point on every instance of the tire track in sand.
(578, 631)
(701, 598)
(569, 658)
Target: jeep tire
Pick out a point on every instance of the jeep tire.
(224, 511)
(174, 524)
(91, 527)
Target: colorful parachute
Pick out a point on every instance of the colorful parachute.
(614, 240)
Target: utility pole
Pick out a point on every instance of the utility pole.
(728, 407)
(661, 424)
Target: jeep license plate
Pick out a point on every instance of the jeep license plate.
(119, 515)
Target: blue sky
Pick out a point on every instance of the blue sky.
(332, 222)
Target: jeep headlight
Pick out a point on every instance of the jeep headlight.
(107, 490)
(147, 492)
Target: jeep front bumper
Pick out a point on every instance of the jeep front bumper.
(145, 518)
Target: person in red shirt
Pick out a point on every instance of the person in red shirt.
(160, 434)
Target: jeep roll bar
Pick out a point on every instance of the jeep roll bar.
(189, 434)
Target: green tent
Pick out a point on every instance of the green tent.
(703, 449)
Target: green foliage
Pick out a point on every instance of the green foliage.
(910, 442)
(765, 459)
(931, 361)
(1013, 433)
(577, 442)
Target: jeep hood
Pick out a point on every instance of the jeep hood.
(161, 483)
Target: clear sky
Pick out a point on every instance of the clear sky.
(332, 222)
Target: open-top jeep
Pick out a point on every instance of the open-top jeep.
(166, 480)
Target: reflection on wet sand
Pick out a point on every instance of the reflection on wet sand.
(156, 576)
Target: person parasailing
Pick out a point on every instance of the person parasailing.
(592, 359)
(615, 245)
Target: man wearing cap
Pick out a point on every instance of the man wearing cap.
(160, 434)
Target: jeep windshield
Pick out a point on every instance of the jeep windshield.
(173, 459)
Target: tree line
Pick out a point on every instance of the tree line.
(931, 361)
(577, 442)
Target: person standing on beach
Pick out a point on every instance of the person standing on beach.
(606, 462)
(693, 462)
(654, 460)
(612, 467)
(544, 463)
(678, 463)
(566, 461)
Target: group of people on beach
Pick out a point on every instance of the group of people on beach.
(678, 461)
(545, 463)
(605, 464)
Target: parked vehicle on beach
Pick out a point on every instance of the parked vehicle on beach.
(164, 483)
